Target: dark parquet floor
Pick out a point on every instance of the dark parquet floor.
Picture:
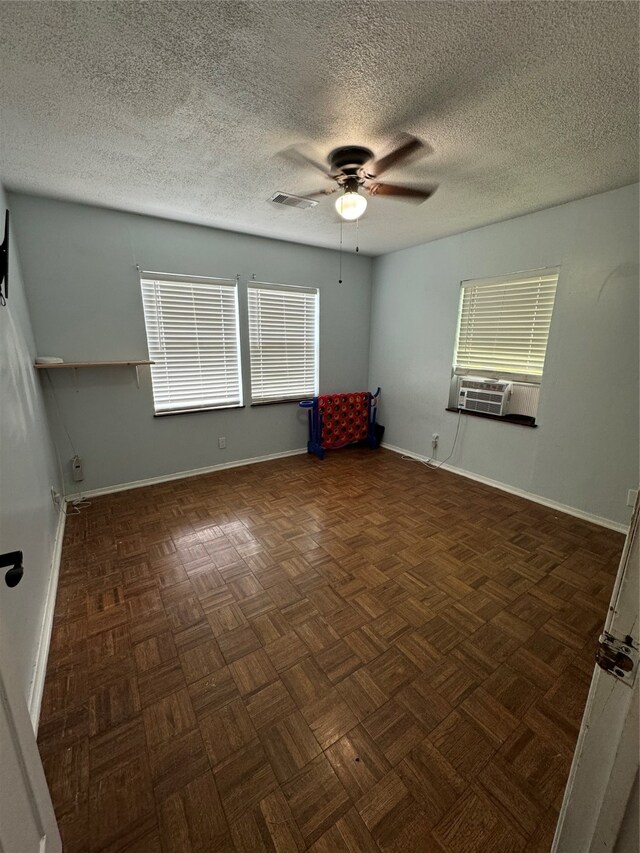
(358, 654)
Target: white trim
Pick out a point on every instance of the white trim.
(40, 669)
(512, 490)
(181, 475)
(507, 278)
(195, 279)
(272, 285)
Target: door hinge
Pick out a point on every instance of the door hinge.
(618, 657)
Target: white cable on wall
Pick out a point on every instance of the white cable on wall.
(428, 462)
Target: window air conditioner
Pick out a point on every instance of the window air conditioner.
(476, 394)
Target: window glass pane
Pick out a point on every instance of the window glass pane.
(283, 339)
(192, 333)
(504, 325)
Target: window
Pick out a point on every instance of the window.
(283, 339)
(504, 326)
(192, 331)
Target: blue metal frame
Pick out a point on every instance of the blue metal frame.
(314, 445)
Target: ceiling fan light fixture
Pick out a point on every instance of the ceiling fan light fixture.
(351, 205)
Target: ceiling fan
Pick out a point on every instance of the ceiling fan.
(354, 168)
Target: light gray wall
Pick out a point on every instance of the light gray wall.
(84, 295)
(584, 453)
(28, 519)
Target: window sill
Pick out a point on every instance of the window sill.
(295, 400)
(196, 411)
(517, 420)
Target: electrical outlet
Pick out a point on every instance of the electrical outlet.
(435, 438)
(55, 497)
(222, 442)
(632, 496)
(77, 471)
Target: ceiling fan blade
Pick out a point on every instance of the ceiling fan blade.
(408, 146)
(302, 159)
(328, 191)
(402, 193)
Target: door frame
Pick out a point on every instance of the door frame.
(20, 733)
(605, 762)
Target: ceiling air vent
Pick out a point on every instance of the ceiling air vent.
(293, 200)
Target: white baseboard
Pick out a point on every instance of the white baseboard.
(181, 475)
(44, 641)
(512, 490)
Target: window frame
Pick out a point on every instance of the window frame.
(284, 288)
(495, 372)
(149, 277)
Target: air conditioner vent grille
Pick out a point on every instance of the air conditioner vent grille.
(293, 200)
(483, 384)
(484, 395)
(488, 398)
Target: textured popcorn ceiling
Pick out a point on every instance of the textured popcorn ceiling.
(179, 109)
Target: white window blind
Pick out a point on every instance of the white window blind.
(192, 332)
(504, 325)
(283, 339)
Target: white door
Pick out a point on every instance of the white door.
(605, 763)
(27, 820)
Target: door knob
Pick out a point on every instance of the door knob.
(14, 560)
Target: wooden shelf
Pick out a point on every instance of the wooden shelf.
(61, 364)
(58, 365)
(519, 420)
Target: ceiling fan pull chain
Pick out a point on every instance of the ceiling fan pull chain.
(340, 255)
(357, 235)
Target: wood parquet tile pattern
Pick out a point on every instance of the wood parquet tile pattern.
(359, 654)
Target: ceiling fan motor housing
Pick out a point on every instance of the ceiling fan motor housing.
(349, 159)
